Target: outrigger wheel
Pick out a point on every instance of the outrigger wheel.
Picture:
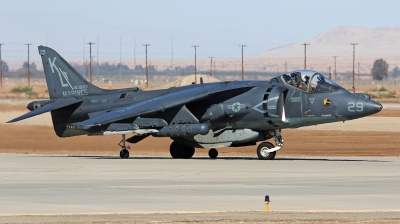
(124, 153)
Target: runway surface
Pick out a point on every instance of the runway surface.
(61, 184)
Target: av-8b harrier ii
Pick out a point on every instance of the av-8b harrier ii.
(212, 115)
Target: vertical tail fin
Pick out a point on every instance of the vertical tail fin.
(63, 81)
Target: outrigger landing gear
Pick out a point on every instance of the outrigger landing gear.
(266, 150)
(124, 153)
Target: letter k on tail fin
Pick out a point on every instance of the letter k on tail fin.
(63, 81)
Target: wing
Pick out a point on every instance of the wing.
(160, 103)
(46, 108)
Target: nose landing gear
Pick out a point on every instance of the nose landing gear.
(124, 153)
(267, 151)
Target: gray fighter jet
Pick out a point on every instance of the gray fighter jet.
(212, 115)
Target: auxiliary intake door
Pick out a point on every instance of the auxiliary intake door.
(276, 105)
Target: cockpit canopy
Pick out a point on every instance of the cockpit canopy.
(310, 81)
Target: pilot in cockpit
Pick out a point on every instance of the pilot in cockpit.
(310, 81)
(297, 81)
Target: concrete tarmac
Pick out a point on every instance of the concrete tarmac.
(62, 184)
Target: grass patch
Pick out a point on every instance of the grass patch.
(27, 90)
(381, 89)
(386, 95)
(382, 95)
(378, 88)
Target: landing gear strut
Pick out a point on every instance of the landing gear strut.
(124, 153)
(266, 150)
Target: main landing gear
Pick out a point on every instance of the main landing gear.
(266, 150)
(213, 153)
(124, 153)
(180, 151)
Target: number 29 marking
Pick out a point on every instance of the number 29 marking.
(355, 107)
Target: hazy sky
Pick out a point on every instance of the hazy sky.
(217, 26)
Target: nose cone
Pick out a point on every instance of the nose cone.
(376, 107)
(372, 107)
(358, 107)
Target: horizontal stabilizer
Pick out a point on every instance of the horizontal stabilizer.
(46, 108)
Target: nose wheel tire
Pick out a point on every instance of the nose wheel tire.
(262, 151)
(124, 154)
(213, 153)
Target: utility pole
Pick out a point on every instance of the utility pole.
(330, 73)
(305, 55)
(147, 69)
(195, 63)
(214, 69)
(90, 62)
(242, 60)
(285, 66)
(172, 56)
(97, 59)
(134, 58)
(358, 71)
(120, 55)
(86, 70)
(354, 56)
(1, 68)
(84, 60)
(334, 78)
(27, 70)
(211, 66)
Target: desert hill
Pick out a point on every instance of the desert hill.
(378, 42)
